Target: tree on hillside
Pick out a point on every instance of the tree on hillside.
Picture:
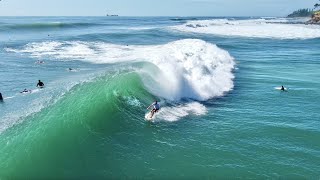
(316, 6)
(301, 13)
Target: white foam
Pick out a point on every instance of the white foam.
(175, 113)
(258, 28)
(188, 68)
(9, 97)
(132, 101)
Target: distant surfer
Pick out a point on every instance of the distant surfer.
(40, 62)
(26, 91)
(1, 98)
(282, 88)
(40, 84)
(72, 69)
(156, 107)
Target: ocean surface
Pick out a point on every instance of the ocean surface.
(217, 79)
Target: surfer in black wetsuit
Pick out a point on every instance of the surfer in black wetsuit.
(156, 107)
(40, 84)
(1, 98)
(282, 88)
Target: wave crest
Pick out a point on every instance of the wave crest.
(279, 28)
(189, 68)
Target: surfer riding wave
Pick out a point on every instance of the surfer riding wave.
(156, 107)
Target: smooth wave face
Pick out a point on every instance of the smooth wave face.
(122, 89)
(49, 96)
(92, 110)
(257, 28)
(90, 107)
(188, 68)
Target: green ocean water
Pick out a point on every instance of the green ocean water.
(89, 123)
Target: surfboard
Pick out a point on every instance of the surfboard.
(26, 92)
(148, 116)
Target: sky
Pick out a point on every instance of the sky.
(152, 7)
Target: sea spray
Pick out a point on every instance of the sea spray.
(188, 68)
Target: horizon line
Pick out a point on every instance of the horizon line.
(132, 16)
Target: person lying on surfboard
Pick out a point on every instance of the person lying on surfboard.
(26, 91)
(156, 107)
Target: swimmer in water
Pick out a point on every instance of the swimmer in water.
(40, 84)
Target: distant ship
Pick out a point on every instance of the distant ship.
(112, 15)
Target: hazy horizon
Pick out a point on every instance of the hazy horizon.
(214, 8)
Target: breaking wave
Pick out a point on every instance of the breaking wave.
(279, 28)
(188, 68)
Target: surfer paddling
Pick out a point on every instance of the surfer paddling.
(26, 91)
(156, 107)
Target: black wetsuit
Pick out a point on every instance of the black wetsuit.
(25, 91)
(40, 84)
(1, 98)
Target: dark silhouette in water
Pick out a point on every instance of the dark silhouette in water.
(1, 98)
(26, 91)
(39, 62)
(40, 84)
(283, 88)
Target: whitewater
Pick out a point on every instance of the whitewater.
(255, 28)
(188, 68)
(216, 79)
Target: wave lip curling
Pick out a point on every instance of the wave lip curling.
(188, 68)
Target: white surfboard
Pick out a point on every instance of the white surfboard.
(148, 116)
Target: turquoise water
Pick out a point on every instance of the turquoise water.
(216, 78)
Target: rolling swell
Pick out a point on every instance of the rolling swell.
(186, 69)
(91, 110)
(46, 26)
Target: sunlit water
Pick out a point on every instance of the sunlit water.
(218, 79)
